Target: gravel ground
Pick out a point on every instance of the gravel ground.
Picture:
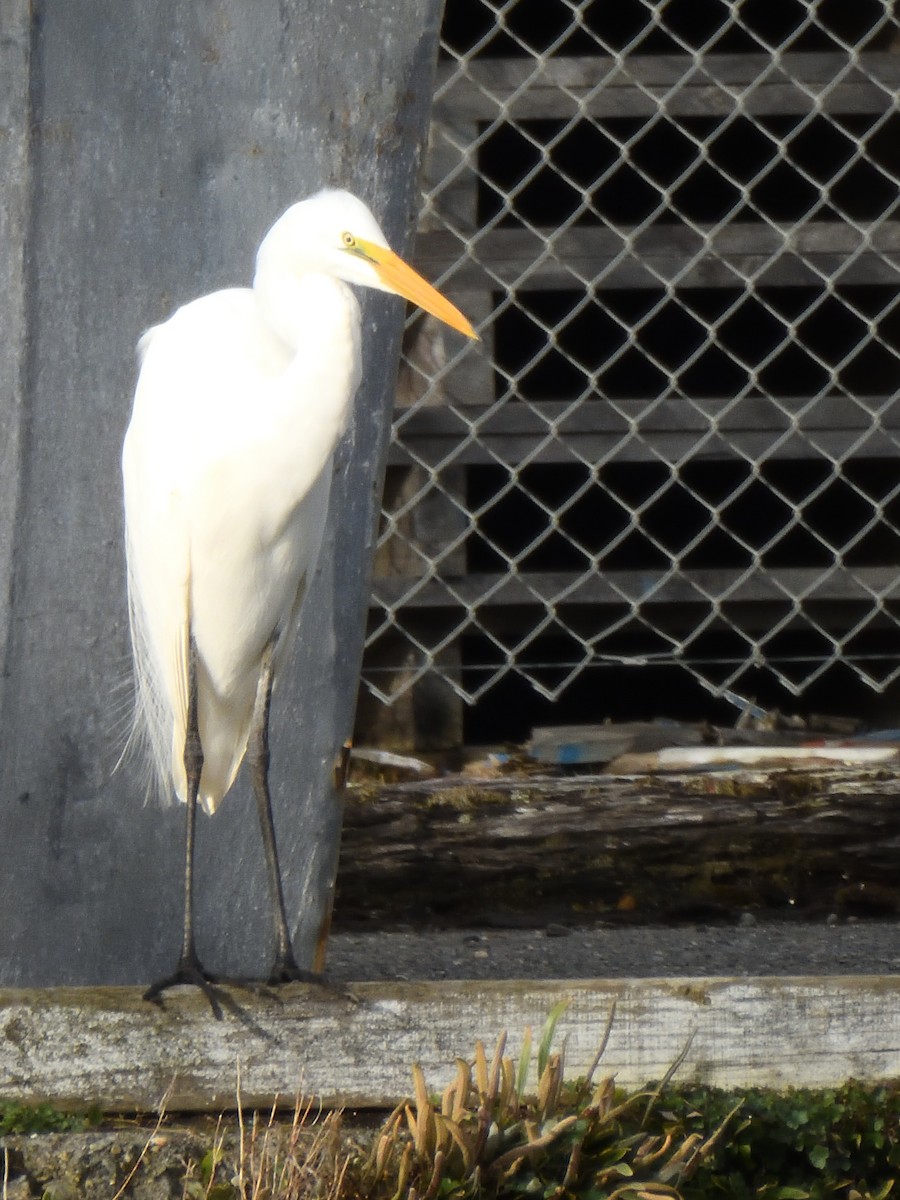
(556, 952)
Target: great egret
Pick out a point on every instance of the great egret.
(241, 399)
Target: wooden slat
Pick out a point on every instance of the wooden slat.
(697, 843)
(106, 1047)
(729, 585)
(668, 431)
(785, 256)
(677, 84)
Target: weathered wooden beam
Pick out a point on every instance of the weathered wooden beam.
(668, 430)
(651, 445)
(679, 85)
(666, 254)
(732, 585)
(16, 117)
(580, 848)
(130, 233)
(107, 1047)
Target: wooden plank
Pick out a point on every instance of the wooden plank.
(780, 839)
(751, 445)
(110, 221)
(15, 214)
(679, 85)
(668, 430)
(729, 585)
(106, 1047)
(666, 253)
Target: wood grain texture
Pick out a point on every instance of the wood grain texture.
(667, 254)
(150, 147)
(519, 849)
(718, 428)
(688, 586)
(14, 216)
(566, 86)
(107, 1047)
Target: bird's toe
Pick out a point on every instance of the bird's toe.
(188, 973)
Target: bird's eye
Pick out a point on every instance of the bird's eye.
(349, 240)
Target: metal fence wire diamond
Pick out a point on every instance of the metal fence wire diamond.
(675, 225)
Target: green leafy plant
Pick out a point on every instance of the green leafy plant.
(485, 1136)
(796, 1145)
(43, 1118)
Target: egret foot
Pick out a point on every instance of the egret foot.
(188, 973)
(285, 970)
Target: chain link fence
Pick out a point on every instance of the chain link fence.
(675, 225)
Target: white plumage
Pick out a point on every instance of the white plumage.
(241, 399)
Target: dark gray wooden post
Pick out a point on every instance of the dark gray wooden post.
(149, 147)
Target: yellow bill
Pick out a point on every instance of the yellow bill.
(399, 277)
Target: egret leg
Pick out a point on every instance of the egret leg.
(189, 969)
(284, 968)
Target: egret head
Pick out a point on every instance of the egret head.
(334, 233)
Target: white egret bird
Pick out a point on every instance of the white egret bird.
(241, 399)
